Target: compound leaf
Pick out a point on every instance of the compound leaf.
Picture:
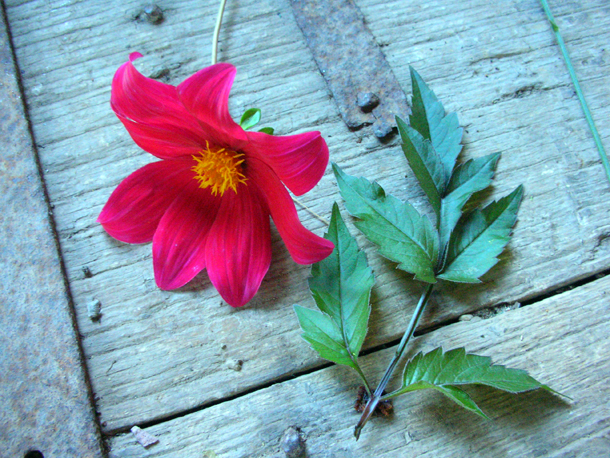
(429, 119)
(425, 163)
(324, 336)
(402, 234)
(470, 177)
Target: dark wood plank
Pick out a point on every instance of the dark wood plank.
(45, 403)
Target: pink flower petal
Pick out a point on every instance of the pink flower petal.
(238, 248)
(154, 115)
(304, 246)
(134, 209)
(190, 228)
(298, 160)
(206, 95)
(179, 241)
(163, 143)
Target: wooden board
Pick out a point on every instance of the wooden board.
(561, 341)
(42, 377)
(156, 354)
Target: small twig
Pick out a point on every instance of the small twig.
(581, 97)
(305, 207)
(221, 11)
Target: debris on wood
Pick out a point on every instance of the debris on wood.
(153, 14)
(234, 364)
(384, 408)
(490, 312)
(469, 317)
(94, 310)
(144, 439)
(293, 443)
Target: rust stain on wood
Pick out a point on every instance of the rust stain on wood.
(352, 64)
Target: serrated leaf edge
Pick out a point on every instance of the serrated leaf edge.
(515, 196)
(430, 232)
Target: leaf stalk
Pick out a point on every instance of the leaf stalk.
(367, 387)
(377, 395)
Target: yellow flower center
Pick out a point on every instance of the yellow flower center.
(219, 169)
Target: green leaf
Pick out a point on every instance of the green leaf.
(472, 176)
(322, 333)
(267, 130)
(250, 118)
(341, 286)
(429, 119)
(461, 398)
(443, 371)
(403, 235)
(425, 163)
(477, 242)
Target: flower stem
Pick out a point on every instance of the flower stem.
(374, 400)
(581, 97)
(221, 11)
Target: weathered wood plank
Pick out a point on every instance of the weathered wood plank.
(158, 353)
(560, 341)
(42, 377)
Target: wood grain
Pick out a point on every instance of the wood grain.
(560, 341)
(42, 379)
(153, 353)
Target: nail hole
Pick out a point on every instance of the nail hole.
(33, 454)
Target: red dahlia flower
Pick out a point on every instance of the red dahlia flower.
(206, 204)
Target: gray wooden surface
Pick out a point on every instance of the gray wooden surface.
(155, 355)
(553, 339)
(42, 381)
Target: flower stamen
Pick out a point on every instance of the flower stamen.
(219, 169)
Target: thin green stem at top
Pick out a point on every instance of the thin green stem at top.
(581, 97)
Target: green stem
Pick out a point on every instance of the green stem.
(221, 11)
(356, 366)
(367, 387)
(374, 400)
(581, 97)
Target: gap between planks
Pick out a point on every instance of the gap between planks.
(420, 332)
(559, 340)
(554, 228)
